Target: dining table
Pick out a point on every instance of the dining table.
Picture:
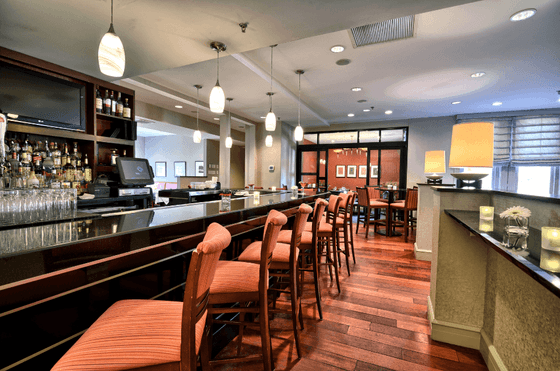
(392, 194)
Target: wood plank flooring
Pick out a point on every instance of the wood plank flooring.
(378, 322)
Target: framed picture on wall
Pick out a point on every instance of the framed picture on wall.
(362, 171)
(161, 168)
(351, 173)
(340, 170)
(374, 171)
(199, 168)
(180, 168)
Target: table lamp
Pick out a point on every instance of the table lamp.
(434, 163)
(472, 146)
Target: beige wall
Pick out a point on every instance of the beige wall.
(268, 156)
(237, 167)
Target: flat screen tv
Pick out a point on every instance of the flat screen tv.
(134, 172)
(33, 98)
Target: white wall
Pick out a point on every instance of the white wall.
(171, 148)
(140, 147)
(288, 157)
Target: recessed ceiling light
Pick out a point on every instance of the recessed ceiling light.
(357, 88)
(497, 103)
(558, 99)
(522, 15)
(456, 102)
(478, 74)
(343, 62)
(388, 112)
(178, 106)
(217, 118)
(263, 117)
(350, 115)
(337, 49)
(367, 110)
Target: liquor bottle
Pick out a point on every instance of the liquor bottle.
(69, 167)
(107, 103)
(113, 104)
(65, 158)
(55, 179)
(25, 160)
(78, 174)
(56, 155)
(120, 106)
(87, 169)
(48, 167)
(33, 181)
(126, 109)
(18, 181)
(38, 168)
(27, 147)
(114, 155)
(98, 101)
(14, 155)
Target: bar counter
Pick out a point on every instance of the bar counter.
(56, 279)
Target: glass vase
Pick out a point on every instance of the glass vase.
(516, 232)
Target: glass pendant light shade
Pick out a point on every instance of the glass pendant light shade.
(298, 134)
(217, 99)
(229, 142)
(268, 141)
(111, 54)
(197, 136)
(270, 122)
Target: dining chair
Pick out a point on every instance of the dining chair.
(284, 266)
(370, 204)
(327, 246)
(246, 283)
(153, 334)
(410, 204)
(344, 227)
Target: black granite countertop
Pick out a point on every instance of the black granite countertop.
(527, 260)
(538, 197)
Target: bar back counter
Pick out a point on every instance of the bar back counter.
(57, 278)
(486, 296)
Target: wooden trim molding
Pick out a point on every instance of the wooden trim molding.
(490, 354)
(425, 255)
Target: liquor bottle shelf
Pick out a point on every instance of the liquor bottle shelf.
(100, 114)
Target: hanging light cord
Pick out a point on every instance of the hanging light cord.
(299, 101)
(197, 89)
(218, 68)
(271, 50)
(111, 12)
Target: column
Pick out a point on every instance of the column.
(250, 154)
(225, 156)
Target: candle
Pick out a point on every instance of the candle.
(257, 197)
(487, 212)
(486, 225)
(550, 238)
(273, 189)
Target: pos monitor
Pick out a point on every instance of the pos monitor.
(134, 172)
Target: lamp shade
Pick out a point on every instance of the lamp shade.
(268, 141)
(229, 142)
(197, 136)
(111, 54)
(270, 121)
(434, 162)
(472, 145)
(298, 134)
(217, 99)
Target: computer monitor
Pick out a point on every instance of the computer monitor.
(134, 171)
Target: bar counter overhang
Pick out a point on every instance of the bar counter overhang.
(51, 293)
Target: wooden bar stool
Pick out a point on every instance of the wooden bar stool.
(369, 204)
(284, 266)
(344, 226)
(153, 334)
(308, 251)
(410, 204)
(327, 238)
(242, 282)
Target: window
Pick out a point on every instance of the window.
(533, 179)
(338, 137)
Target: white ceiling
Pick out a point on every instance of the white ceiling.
(167, 46)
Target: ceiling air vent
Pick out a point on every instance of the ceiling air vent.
(393, 29)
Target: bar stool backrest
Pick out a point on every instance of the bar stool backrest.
(274, 223)
(332, 208)
(349, 212)
(297, 230)
(344, 198)
(363, 196)
(320, 205)
(411, 201)
(374, 193)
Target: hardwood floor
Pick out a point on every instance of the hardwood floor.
(378, 322)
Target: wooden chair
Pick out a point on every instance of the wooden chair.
(365, 202)
(344, 226)
(284, 265)
(242, 282)
(153, 334)
(410, 204)
(327, 238)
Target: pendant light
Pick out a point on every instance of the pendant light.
(197, 136)
(298, 133)
(270, 121)
(229, 141)
(111, 52)
(268, 141)
(217, 96)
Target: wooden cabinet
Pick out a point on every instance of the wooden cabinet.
(103, 132)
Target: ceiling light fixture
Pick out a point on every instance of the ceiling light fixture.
(270, 121)
(217, 118)
(456, 102)
(522, 15)
(357, 88)
(217, 95)
(268, 141)
(298, 133)
(111, 52)
(197, 136)
(350, 115)
(497, 103)
(178, 106)
(337, 49)
(366, 110)
(388, 112)
(229, 141)
(478, 74)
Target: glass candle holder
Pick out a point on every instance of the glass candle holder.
(487, 212)
(516, 232)
(486, 225)
(550, 249)
(256, 197)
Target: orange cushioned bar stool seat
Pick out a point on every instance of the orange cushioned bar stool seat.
(369, 204)
(284, 267)
(243, 282)
(153, 334)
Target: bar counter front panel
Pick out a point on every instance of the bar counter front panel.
(57, 279)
